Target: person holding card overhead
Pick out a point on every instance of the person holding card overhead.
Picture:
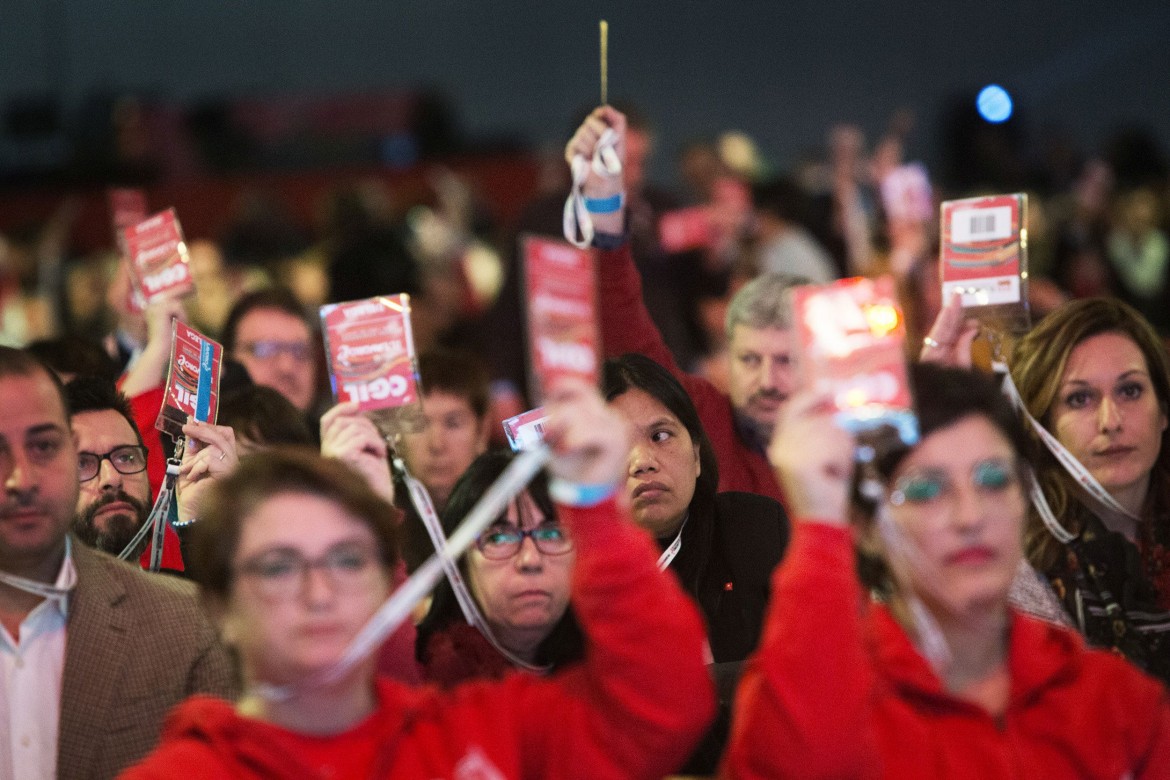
(759, 333)
(296, 554)
(943, 679)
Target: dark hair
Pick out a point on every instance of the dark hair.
(638, 372)
(264, 416)
(276, 298)
(91, 394)
(231, 501)
(17, 362)
(943, 396)
(74, 355)
(458, 373)
(565, 643)
(1038, 365)
(782, 198)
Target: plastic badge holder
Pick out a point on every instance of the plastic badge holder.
(192, 388)
(562, 312)
(851, 336)
(984, 256)
(158, 257)
(371, 355)
(525, 431)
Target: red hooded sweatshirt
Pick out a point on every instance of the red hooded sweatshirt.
(838, 690)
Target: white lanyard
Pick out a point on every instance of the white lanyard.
(1097, 497)
(396, 609)
(421, 499)
(43, 589)
(929, 639)
(671, 552)
(605, 163)
(156, 521)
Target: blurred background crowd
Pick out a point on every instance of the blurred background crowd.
(309, 147)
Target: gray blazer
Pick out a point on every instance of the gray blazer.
(136, 644)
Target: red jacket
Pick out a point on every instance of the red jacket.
(626, 327)
(838, 690)
(144, 407)
(634, 708)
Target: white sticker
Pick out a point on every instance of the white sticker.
(990, 291)
(969, 226)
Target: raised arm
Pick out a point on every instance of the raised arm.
(640, 700)
(803, 706)
(626, 326)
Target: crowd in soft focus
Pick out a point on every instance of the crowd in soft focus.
(704, 580)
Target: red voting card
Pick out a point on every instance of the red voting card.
(562, 312)
(192, 388)
(371, 352)
(851, 334)
(158, 256)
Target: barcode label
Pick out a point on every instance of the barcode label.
(990, 224)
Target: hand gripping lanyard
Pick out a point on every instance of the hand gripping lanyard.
(1090, 491)
(425, 507)
(605, 163)
(44, 589)
(156, 521)
(396, 609)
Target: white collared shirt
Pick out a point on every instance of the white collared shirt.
(30, 687)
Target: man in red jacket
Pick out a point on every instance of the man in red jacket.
(760, 338)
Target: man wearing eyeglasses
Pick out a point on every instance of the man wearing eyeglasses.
(115, 498)
(268, 333)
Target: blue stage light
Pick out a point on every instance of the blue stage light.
(995, 104)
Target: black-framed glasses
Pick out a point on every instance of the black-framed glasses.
(127, 459)
(267, 349)
(501, 542)
(280, 574)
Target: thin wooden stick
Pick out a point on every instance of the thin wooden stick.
(604, 62)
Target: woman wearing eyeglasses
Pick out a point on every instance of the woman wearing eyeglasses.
(296, 555)
(519, 573)
(943, 679)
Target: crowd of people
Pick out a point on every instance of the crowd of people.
(705, 579)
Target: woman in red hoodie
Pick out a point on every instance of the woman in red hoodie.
(295, 556)
(944, 680)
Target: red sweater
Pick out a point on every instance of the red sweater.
(634, 708)
(838, 690)
(626, 327)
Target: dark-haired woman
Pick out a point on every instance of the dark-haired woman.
(519, 574)
(721, 546)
